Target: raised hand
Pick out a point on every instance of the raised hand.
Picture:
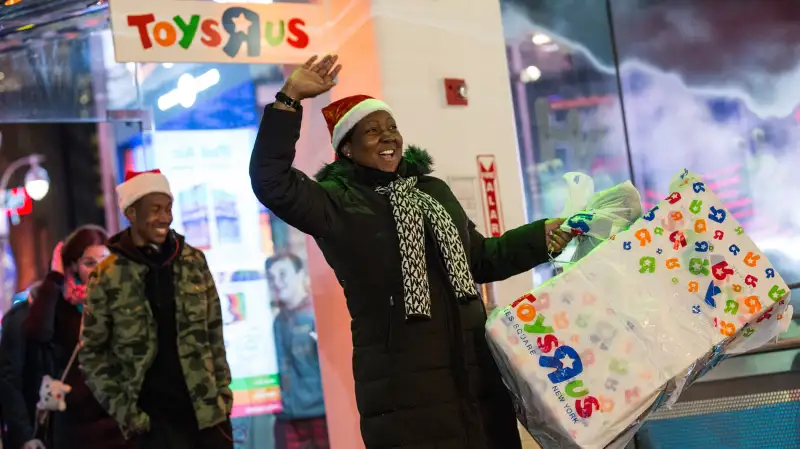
(56, 264)
(313, 78)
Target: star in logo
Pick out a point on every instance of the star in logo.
(566, 362)
(241, 23)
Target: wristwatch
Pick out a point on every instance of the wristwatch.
(284, 99)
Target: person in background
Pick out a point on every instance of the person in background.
(153, 350)
(23, 363)
(301, 424)
(408, 258)
(55, 320)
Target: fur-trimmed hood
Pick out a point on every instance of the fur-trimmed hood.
(416, 162)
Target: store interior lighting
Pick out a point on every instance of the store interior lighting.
(541, 39)
(530, 74)
(185, 94)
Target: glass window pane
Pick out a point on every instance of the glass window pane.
(702, 93)
(565, 94)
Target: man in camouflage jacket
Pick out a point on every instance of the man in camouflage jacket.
(153, 351)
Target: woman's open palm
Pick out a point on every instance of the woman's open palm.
(313, 78)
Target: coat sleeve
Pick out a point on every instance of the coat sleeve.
(12, 357)
(222, 371)
(516, 251)
(98, 362)
(41, 321)
(287, 192)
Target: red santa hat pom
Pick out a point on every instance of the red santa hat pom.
(343, 115)
(139, 184)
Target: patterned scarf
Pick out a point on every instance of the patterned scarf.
(74, 291)
(410, 208)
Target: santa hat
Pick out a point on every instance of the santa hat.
(343, 115)
(139, 184)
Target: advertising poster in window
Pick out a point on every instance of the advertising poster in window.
(215, 209)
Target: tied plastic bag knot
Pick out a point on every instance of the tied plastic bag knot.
(595, 217)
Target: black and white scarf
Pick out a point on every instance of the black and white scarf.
(410, 207)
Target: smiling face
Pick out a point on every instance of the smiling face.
(287, 282)
(151, 218)
(89, 260)
(375, 142)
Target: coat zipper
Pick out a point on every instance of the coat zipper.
(389, 328)
(455, 332)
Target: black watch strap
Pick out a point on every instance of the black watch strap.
(284, 99)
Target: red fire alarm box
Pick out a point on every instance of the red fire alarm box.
(455, 91)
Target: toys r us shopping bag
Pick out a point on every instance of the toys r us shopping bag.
(590, 353)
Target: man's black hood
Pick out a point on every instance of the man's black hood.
(416, 162)
(122, 245)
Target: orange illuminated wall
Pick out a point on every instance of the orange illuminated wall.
(351, 32)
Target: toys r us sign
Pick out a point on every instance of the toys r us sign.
(487, 172)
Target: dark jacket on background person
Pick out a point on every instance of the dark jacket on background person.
(298, 362)
(419, 383)
(22, 365)
(54, 321)
(153, 343)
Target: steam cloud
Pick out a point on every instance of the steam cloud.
(748, 50)
(671, 127)
(689, 53)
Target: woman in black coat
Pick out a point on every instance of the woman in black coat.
(23, 363)
(408, 259)
(55, 319)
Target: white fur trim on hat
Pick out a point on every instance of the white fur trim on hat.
(140, 185)
(354, 115)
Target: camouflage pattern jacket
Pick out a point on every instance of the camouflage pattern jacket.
(119, 339)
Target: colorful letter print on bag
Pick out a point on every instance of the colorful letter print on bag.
(588, 352)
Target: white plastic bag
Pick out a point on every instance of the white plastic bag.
(595, 217)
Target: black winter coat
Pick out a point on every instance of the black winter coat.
(54, 321)
(23, 363)
(424, 383)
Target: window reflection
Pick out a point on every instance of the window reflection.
(566, 103)
(695, 94)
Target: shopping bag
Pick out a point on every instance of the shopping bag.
(589, 354)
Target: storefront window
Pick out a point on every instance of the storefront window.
(699, 97)
(566, 101)
(693, 95)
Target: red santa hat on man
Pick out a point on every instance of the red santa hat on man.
(343, 115)
(139, 184)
